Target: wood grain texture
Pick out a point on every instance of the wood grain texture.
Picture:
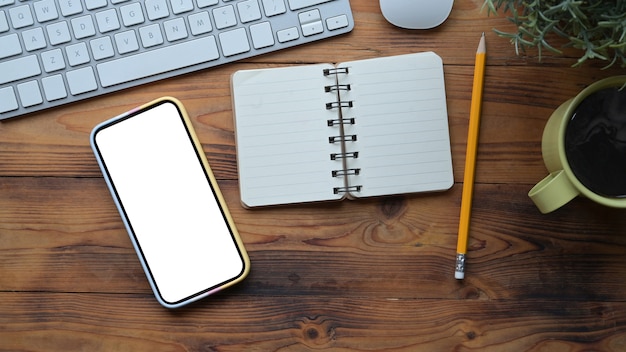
(131, 323)
(367, 275)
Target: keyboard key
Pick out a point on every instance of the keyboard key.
(249, 11)
(175, 29)
(4, 24)
(224, 17)
(21, 16)
(70, 7)
(83, 27)
(107, 21)
(34, 39)
(6, 2)
(150, 35)
(309, 16)
(181, 6)
(157, 61)
(17, 69)
(132, 14)
(288, 34)
(54, 88)
(8, 101)
(312, 28)
(262, 35)
(58, 33)
(234, 42)
(300, 4)
(81, 80)
(156, 9)
(53, 60)
(126, 42)
(95, 4)
(337, 22)
(206, 3)
(45, 10)
(10, 45)
(274, 7)
(29, 93)
(77, 54)
(102, 48)
(200, 23)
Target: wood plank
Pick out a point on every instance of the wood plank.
(57, 231)
(105, 322)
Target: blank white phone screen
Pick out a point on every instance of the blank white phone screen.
(169, 203)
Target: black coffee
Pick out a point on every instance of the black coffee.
(595, 142)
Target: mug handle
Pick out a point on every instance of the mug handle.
(554, 191)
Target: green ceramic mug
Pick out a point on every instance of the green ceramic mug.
(584, 148)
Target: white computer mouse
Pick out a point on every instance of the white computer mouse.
(416, 14)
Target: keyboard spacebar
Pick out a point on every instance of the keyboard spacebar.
(157, 61)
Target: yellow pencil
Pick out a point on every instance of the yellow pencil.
(470, 159)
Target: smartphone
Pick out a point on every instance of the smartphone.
(170, 202)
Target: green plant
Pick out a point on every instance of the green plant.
(597, 27)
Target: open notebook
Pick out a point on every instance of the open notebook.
(358, 129)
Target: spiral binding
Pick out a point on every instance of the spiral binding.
(335, 156)
(347, 172)
(349, 121)
(336, 87)
(341, 122)
(346, 138)
(339, 104)
(338, 190)
(336, 70)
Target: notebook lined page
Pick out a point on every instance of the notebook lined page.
(399, 105)
(281, 131)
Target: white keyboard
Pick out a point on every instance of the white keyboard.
(54, 52)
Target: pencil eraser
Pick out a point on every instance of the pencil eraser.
(459, 275)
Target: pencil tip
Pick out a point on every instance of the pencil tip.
(481, 44)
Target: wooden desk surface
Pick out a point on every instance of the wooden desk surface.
(365, 275)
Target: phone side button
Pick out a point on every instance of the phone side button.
(149, 63)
